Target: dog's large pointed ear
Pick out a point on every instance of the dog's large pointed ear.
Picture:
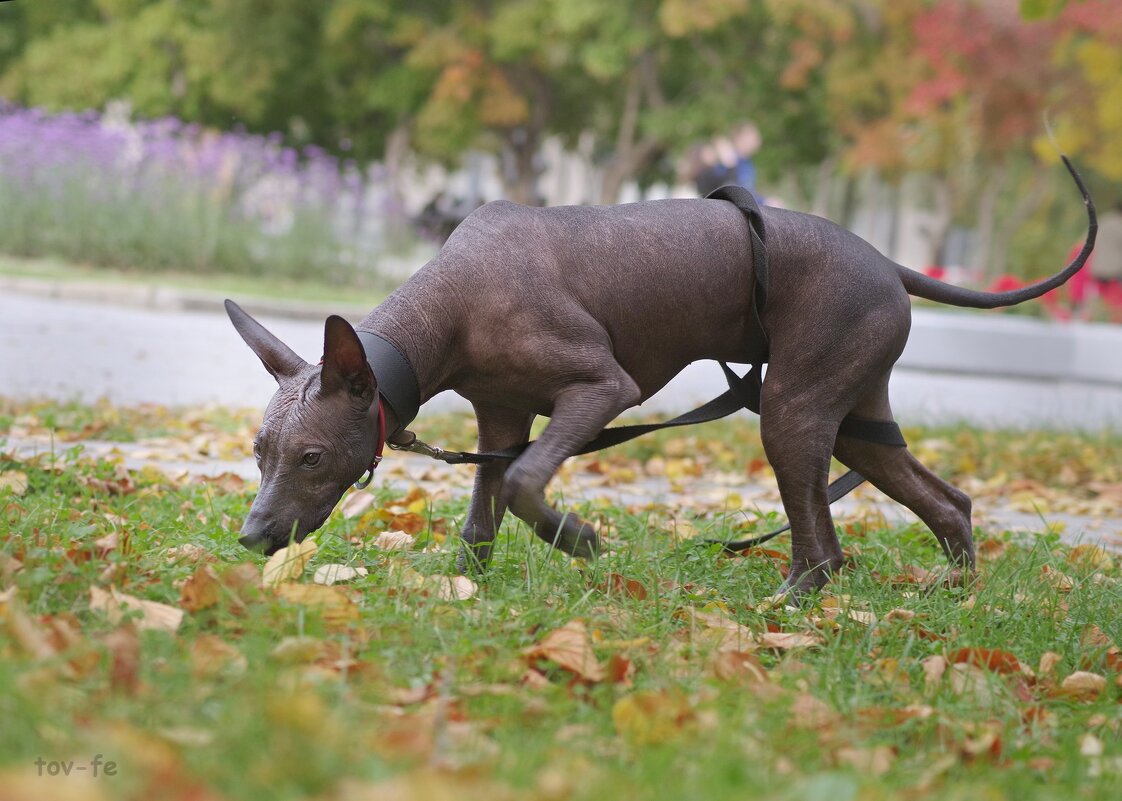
(278, 358)
(345, 368)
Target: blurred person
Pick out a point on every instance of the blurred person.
(729, 160)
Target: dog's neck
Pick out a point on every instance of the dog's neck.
(397, 384)
(421, 333)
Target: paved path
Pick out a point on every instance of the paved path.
(134, 344)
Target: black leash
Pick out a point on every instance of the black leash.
(743, 392)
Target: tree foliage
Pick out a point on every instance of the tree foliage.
(896, 86)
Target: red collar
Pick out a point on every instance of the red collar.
(364, 480)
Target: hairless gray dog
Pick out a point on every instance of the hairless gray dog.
(579, 313)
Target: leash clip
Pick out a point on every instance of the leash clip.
(417, 446)
(368, 476)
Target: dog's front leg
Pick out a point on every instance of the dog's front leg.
(499, 428)
(580, 412)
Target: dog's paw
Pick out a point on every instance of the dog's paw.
(576, 538)
(472, 560)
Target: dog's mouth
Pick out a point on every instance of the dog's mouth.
(265, 542)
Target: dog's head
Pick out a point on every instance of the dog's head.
(319, 434)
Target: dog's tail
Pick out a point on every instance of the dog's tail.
(923, 286)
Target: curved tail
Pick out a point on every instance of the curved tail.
(923, 286)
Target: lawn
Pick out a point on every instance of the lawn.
(135, 631)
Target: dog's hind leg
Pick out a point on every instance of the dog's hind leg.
(580, 411)
(798, 439)
(900, 476)
(499, 428)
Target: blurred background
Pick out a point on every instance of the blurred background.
(327, 139)
(323, 151)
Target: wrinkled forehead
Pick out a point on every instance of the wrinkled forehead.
(284, 409)
(298, 409)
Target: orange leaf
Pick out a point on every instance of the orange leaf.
(737, 666)
(571, 648)
(989, 658)
(617, 583)
(201, 589)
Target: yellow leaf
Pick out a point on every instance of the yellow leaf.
(335, 606)
(875, 761)
(646, 718)
(288, 563)
(153, 615)
(211, 656)
(13, 480)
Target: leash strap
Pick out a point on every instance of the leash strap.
(746, 203)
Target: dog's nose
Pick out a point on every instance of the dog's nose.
(254, 541)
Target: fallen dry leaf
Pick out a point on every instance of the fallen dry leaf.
(305, 650)
(1090, 745)
(333, 604)
(153, 615)
(1083, 685)
(570, 647)
(189, 552)
(1061, 581)
(1048, 662)
(393, 541)
(356, 504)
(786, 640)
(934, 667)
(809, 712)
(615, 583)
(288, 563)
(334, 574)
(23, 629)
(211, 657)
(875, 761)
(454, 588)
(14, 481)
(646, 718)
(737, 666)
(124, 659)
(1093, 556)
(200, 590)
(992, 659)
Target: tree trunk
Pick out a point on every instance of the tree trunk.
(632, 153)
(938, 231)
(521, 163)
(520, 167)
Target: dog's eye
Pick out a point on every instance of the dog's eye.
(311, 458)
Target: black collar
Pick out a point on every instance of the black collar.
(397, 383)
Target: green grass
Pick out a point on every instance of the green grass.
(423, 698)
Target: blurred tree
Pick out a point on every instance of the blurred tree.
(1088, 97)
(957, 92)
(222, 62)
